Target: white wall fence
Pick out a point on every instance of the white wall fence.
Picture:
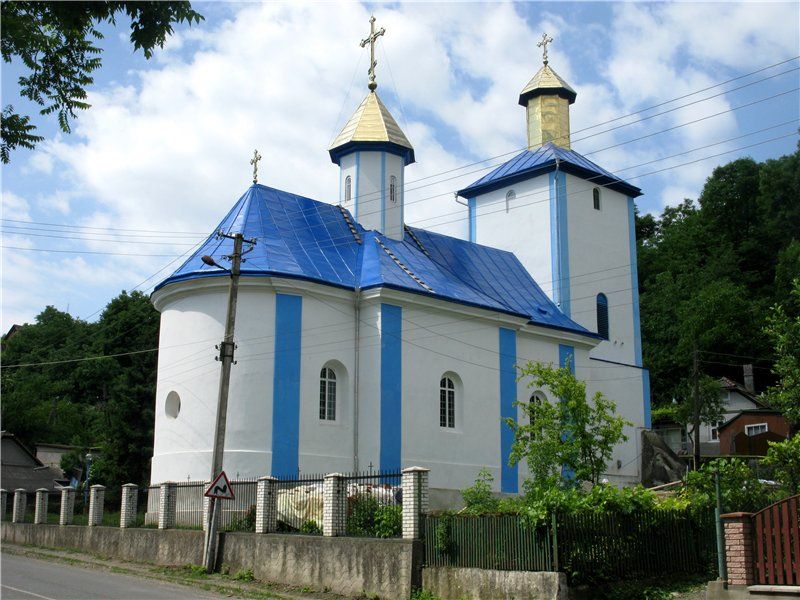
(379, 504)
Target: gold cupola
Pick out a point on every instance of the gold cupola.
(372, 153)
(547, 98)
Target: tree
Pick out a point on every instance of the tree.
(56, 43)
(570, 433)
(784, 330)
(785, 458)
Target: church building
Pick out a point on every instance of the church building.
(364, 341)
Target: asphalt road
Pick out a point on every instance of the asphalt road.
(25, 578)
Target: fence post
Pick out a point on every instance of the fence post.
(97, 497)
(166, 505)
(67, 512)
(20, 501)
(415, 500)
(739, 548)
(130, 503)
(40, 508)
(266, 505)
(334, 505)
(4, 500)
(554, 529)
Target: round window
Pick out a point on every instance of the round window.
(173, 405)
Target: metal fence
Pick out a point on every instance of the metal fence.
(299, 501)
(609, 547)
(588, 547)
(505, 542)
(374, 504)
(239, 514)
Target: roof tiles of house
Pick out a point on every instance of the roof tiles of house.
(531, 163)
(305, 239)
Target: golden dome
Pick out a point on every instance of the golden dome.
(547, 81)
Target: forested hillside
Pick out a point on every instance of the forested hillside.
(107, 402)
(710, 270)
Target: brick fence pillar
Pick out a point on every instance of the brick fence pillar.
(130, 503)
(415, 500)
(266, 505)
(739, 548)
(3, 504)
(40, 514)
(334, 505)
(20, 502)
(97, 498)
(67, 512)
(167, 509)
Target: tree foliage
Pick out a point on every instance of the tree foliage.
(105, 402)
(56, 43)
(783, 328)
(570, 433)
(710, 270)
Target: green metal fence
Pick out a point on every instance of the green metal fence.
(639, 545)
(505, 542)
(589, 548)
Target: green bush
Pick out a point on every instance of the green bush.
(370, 518)
(740, 489)
(784, 457)
(244, 575)
(310, 527)
(246, 522)
(389, 521)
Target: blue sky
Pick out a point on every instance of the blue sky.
(164, 149)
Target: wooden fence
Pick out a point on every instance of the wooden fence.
(777, 543)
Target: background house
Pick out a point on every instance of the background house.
(749, 432)
(21, 469)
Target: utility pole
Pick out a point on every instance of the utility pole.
(226, 350)
(696, 404)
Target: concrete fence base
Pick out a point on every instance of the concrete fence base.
(455, 583)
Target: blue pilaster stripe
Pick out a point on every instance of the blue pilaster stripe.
(473, 224)
(566, 356)
(383, 192)
(391, 387)
(509, 478)
(646, 395)
(355, 187)
(637, 332)
(286, 385)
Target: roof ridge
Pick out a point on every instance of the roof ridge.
(405, 269)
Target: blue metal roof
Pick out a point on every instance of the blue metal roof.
(530, 163)
(306, 239)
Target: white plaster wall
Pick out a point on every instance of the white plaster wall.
(347, 166)
(369, 385)
(328, 339)
(523, 230)
(599, 262)
(369, 190)
(393, 226)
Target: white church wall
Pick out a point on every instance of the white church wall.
(369, 185)
(347, 169)
(524, 229)
(600, 262)
(393, 219)
(369, 385)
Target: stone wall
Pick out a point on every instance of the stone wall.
(455, 583)
(349, 566)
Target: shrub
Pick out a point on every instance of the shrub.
(245, 575)
(740, 489)
(784, 457)
(478, 498)
(310, 527)
(246, 522)
(389, 521)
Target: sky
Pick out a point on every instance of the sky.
(666, 92)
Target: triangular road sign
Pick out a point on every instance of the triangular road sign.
(220, 488)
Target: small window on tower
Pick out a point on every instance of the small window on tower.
(602, 316)
(393, 189)
(510, 197)
(348, 188)
(596, 198)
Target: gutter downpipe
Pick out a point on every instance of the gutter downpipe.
(355, 377)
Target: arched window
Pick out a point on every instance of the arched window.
(596, 198)
(447, 403)
(348, 189)
(602, 316)
(535, 401)
(327, 394)
(511, 195)
(393, 189)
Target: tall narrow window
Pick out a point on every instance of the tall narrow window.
(393, 189)
(447, 403)
(327, 394)
(348, 188)
(536, 401)
(602, 316)
(511, 195)
(596, 198)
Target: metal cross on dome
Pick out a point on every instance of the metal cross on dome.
(254, 162)
(543, 45)
(373, 36)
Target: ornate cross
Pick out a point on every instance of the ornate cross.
(543, 45)
(254, 162)
(373, 36)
